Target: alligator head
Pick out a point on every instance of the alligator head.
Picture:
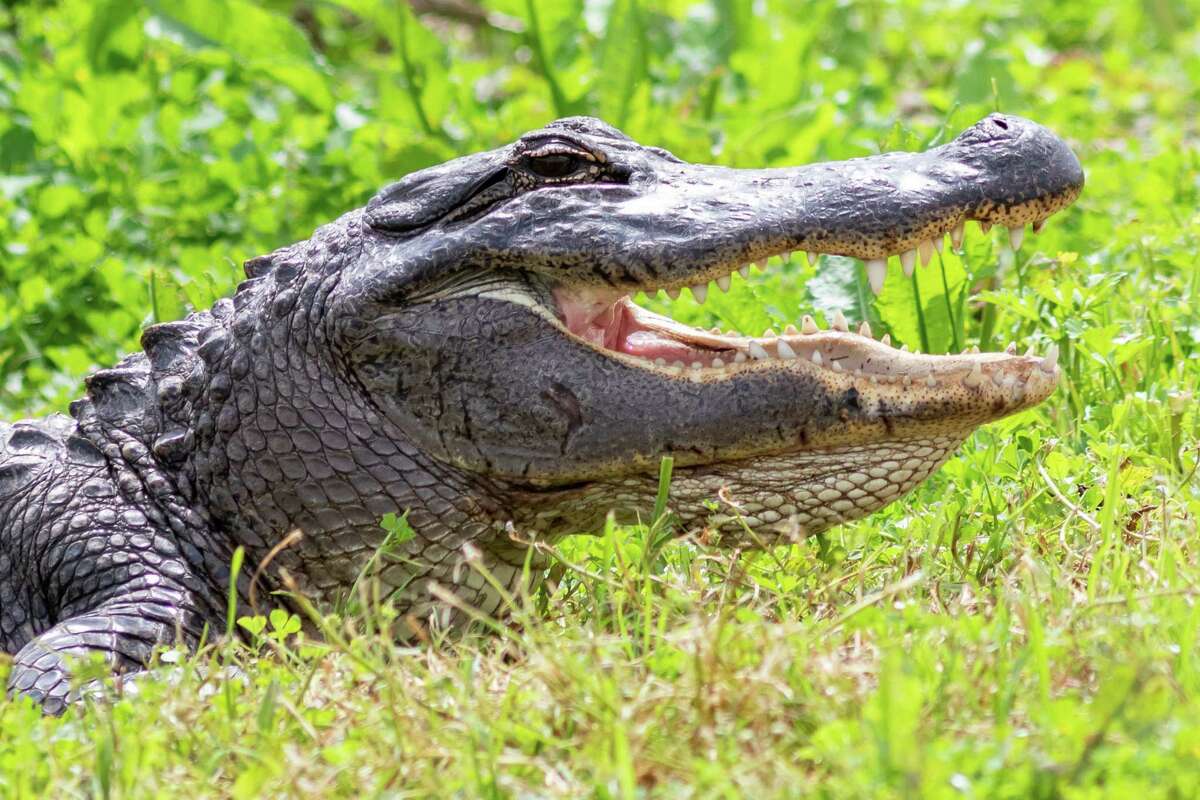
(492, 323)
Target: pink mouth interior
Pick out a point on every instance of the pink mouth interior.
(604, 318)
(609, 319)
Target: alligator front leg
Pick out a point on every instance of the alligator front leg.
(123, 631)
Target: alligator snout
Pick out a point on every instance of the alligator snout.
(1023, 170)
(1004, 170)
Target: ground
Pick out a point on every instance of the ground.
(1024, 625)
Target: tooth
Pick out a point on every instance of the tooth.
(985, 226)
(973, 349)
(812, 258)
(865, 330)
(739, 357)
(877, 274)
(1011, 349)
(908, 260)
(715, 331)
(769, 333)
(975, 377)
(762, 264)
(718, 363)
(925, 250)
(790, 330)
(839, 321)
(697, 365)
(744, 270)
(786, 255)
(939, 242)
(700, 293)
(660, 362)
(1016, 236)
(1050, 362)
(677, 364)
(1029, 352)
(886, 339)
(956, 236)
(757, 351)
(904, 348)
(784, 350)
(1037, 226)
(723, 283)
(836, 366)
(931, 382)
(673, 294)
(808, 325)
(816, 357)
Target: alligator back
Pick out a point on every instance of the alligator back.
(35, 457)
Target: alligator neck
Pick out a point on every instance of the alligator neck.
(278, 442)
(239, 421)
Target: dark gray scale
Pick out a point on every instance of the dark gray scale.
(82, 569)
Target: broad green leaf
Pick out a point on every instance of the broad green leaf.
(925, 311)
(109, 17)
(621, 60)
(262, 40)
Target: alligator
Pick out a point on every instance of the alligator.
(465, 350)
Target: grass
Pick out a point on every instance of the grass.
(1023, 625)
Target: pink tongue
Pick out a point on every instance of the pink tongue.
(590, 314)
(595, 315)
(645, 344)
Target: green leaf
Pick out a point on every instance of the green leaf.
(397, 528)
(621, 60)
(56, 201)
(260, 39)
(16, 149)
(108, 17)
(925, 311)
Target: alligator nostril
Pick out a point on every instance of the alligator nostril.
(1001, 124)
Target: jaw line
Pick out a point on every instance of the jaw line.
(615, 326)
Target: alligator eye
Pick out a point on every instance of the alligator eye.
(554, 165)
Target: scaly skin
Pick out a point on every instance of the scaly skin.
(464, 350)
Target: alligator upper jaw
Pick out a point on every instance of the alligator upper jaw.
(687, 225)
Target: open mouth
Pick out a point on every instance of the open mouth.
(611, 321)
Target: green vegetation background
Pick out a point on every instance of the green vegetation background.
(1025, 625)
